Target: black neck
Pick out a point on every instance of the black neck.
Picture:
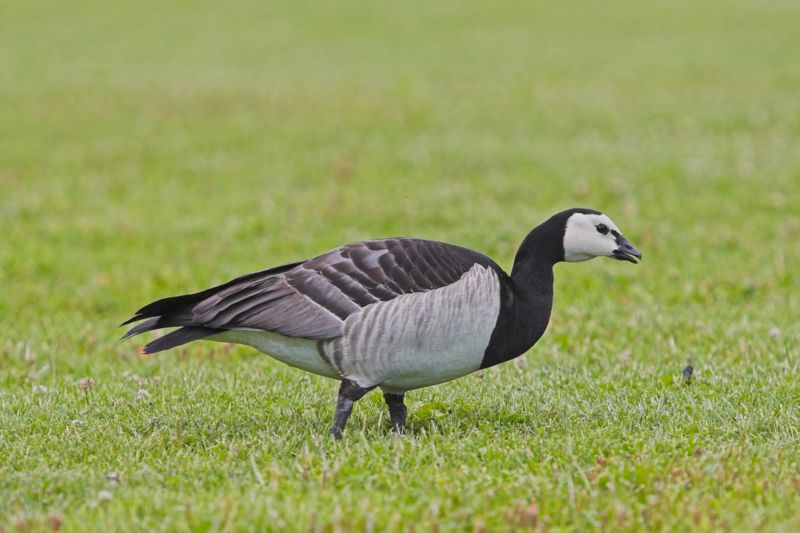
(527, 295)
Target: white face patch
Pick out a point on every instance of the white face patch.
(589, 236)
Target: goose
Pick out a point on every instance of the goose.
(397, 313)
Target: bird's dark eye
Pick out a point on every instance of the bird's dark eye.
(602, 228)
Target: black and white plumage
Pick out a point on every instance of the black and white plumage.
(398, 313)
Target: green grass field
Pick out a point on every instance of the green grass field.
(149, 149)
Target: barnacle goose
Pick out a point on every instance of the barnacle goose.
(397, 313)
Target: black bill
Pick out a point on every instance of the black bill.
(626, 251)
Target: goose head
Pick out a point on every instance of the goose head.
(589, 233)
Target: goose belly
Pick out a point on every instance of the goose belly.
(420, 339)
(296, 352)
(431, 365)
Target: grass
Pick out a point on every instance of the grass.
(152, 149)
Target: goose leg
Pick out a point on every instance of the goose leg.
(349, 393)
(397, 411)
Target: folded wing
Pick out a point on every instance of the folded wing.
(311, 299)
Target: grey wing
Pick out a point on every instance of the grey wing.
(312, 299)
(291, 304)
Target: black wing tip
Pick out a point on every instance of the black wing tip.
(148, 325)
(177, 338)
(130, 333)
(137, 317)
(148, 311)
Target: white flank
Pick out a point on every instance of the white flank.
(300, 353)
(420, 339)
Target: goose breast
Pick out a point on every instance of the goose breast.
(419, 339)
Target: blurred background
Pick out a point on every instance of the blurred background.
(153, 148)
(156, 146)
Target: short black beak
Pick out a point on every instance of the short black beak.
(626, 251)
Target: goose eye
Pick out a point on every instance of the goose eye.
(602, 228)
